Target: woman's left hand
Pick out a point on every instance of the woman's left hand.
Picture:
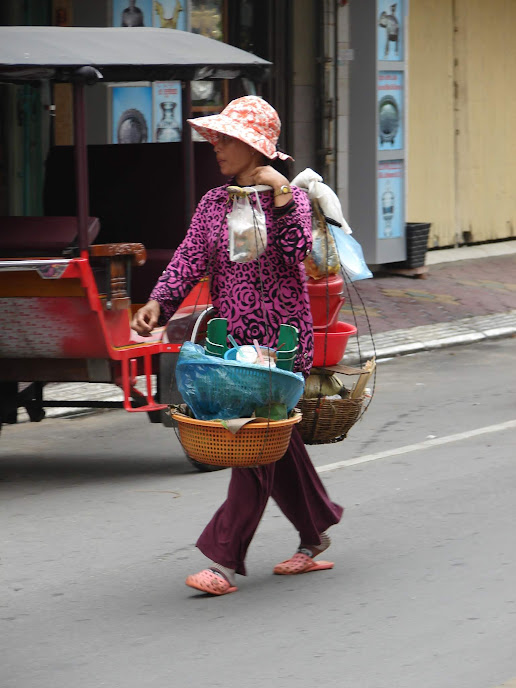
(268, 176)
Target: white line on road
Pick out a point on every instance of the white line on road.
(427, 444)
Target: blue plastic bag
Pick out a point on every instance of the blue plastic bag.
(350, 254)
(217, 388)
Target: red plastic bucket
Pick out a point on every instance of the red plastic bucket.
(326, 299)
(336, 341)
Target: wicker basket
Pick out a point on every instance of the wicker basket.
(325, 421)
(255, 444)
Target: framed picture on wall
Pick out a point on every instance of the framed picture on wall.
(131, 114)
(207, 95)
(389, 30)
(166, 97)
(131, 13)
(170, 14)
(391, 200)
(207, 18)
(390, 110)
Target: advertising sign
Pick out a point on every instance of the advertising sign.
(389, 30)
(166, 100)
(170, 14)
(131, 119)
(390, 110)
(207, 18)
(391, 200)
(132, 13)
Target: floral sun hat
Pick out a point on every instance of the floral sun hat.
(249, 119)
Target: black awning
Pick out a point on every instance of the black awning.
(32, 53)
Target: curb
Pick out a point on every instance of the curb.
(429, 337)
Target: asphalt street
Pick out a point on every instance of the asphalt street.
(100, 515)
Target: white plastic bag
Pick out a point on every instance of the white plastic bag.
(328, 200)
(246, 228)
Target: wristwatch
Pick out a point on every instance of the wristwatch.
(285, 189)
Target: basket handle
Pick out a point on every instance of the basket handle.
(199, 322)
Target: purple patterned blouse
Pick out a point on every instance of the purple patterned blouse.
(255, 297)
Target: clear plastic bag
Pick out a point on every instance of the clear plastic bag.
(350, 253)
(246, 228)
(323, 259)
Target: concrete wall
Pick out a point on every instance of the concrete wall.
(343, 58)
(305, 93)
(320, 91)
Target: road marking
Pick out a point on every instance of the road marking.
(427, 444)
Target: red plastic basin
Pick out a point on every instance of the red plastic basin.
(336, 341)
(326, 299)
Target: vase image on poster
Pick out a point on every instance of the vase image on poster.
(390, 199)
(131, 108)
(170, 14)
(132, 13)
(390, 110)
(390, 30)
(166, 99)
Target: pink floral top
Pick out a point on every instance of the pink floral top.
(255, 297)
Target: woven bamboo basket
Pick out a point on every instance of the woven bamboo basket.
(255, 444)
(326, 421)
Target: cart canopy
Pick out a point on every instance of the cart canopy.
(33, 53)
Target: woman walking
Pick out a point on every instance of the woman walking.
(255, 298)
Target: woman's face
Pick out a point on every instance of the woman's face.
(235, 158)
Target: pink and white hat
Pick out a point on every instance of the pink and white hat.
(249, 119)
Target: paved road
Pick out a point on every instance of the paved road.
(100, 515)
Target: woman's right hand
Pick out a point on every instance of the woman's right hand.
(146, 318)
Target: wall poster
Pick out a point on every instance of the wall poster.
(391, 201)
(131, 114)
(166, 97)
(132, 13)
(390, 110)
(390, 30)
(171, 14)
(207, 18)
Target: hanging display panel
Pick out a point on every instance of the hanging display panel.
(391, 199)
(390, 111)
(390, 30)
(170, 14)
(132, 13)
(131, 114)
(166, 100)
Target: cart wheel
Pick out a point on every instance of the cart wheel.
(204, 467)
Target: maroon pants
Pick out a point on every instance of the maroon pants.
(296, 488)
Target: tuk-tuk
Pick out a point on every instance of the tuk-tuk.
(70, 280)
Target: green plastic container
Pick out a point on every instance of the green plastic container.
(216, 339)
(288, 338)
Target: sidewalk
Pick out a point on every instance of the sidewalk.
(468, 294)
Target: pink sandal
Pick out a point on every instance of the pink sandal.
(301, 563)
(210, 582)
